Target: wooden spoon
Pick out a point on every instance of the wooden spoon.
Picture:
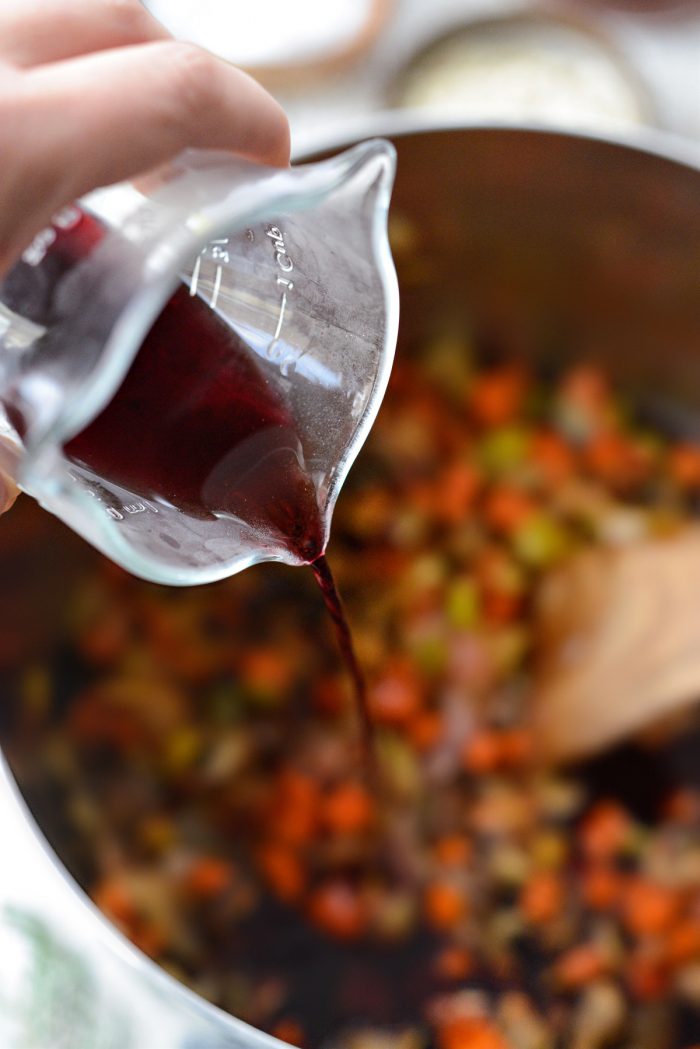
(619, 643)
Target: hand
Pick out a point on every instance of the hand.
(96, 91)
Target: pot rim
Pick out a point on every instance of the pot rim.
(390, 124)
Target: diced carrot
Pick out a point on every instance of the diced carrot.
(614, 459)
(453, 850)
(467, 1032)
(552, 456)
(542, 897)
(289, 1031)
(683, 942)
(266, 670)
(347, 809)
(517, 747)
(456, 490)
(298, 787)
(425, 730)
(396, 698)
(646, 976)
(496, 396)
(444, 905)
(454, 963)
(208, 877)
(282, 870)
(501, 608)
(507, 509)
(113, 897)
(601, 887)
(684, 465)
(649, 909)
(293, 811)
(683, 806)
(579, 966)
(292, 824)
(605, 831)
(482, 752)
(337, 908)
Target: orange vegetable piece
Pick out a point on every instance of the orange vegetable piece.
(455, 492)
(297, 788)
(517, 746)
(266, 669)
(444, 905)
(496, 396)
(289, 1031)
(467, 1032)
(580, 966)
(293, 825)
(684, 465)
(113, 898)
(507, 509)
(601, 887)
(482, 752)
(683, 943)
(282, 870)
(454, 963)
(453, 850)
(396, 698)
(425, 730)
(552, 456)
(646, 976)
(293, 813)
(614, 459)
(338, 910)
(348, 809)
(604, 832)
(208, 877)
(500, 608)
(542, 897)
(649, 909)
(683, 806)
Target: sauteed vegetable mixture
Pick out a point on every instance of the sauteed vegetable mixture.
(194, 757)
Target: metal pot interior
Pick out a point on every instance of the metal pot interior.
(553, 246)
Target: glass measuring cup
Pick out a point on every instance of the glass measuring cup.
(294, 263)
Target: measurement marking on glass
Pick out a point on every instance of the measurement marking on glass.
(217, 286)
(195, 276)
(280, 319)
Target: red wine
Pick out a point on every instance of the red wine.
(197, 424)
(334, 606)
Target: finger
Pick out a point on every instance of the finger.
(8, 492)
(103, 118)
(9, 459)
(51, 30)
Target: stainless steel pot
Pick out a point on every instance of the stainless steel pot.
(549, 244)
